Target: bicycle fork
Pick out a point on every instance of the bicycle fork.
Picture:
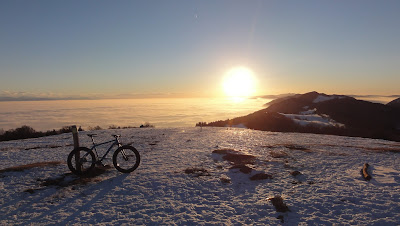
(124, 155)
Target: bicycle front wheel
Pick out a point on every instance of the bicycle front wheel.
(81, 160)
(126, 159)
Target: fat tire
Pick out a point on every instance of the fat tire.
(71, 160)
(117, 158)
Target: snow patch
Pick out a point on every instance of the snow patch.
(322, 98)
(308, 112)
(308, 118)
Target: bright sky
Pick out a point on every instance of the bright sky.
(185, 48)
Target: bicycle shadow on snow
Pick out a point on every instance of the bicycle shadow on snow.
(74, 201)
(103, 188)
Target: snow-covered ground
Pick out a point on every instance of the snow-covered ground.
(181, 181)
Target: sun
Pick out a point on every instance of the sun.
(239, 82)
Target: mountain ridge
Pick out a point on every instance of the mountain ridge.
(315, 112)
(394, 103)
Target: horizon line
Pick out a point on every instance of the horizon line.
(162, 96)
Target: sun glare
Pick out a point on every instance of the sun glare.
(239, 82)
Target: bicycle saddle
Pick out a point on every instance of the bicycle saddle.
(116, 135)
(92, 135)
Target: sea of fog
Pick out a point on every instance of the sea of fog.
(166, 112)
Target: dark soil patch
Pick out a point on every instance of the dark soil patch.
(197, 172)
(225, 180)
(297, 147)
(30, 166)
(235, 157)
(261, 176)
(280, 217)
(69, 179)
(279, 205)
(290, 146)
(242, 168)
(278, 154)
(58, 181)
(387, 149)
(336, 154)
(96, 171)
(239, 159)
(295, 173)
(225, 151)
(30, 190)
(268, 146)
(43, 147)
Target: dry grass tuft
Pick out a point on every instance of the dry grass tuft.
(197, 172)
(278, 203)
(30, 166)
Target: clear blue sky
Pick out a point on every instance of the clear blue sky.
(127, 48)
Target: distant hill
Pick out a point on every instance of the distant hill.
(315, 112)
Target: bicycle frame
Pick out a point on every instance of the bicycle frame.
(82, 160)
(114, 143)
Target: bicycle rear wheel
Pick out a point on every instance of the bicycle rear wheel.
(86, 160)
(126, 159)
